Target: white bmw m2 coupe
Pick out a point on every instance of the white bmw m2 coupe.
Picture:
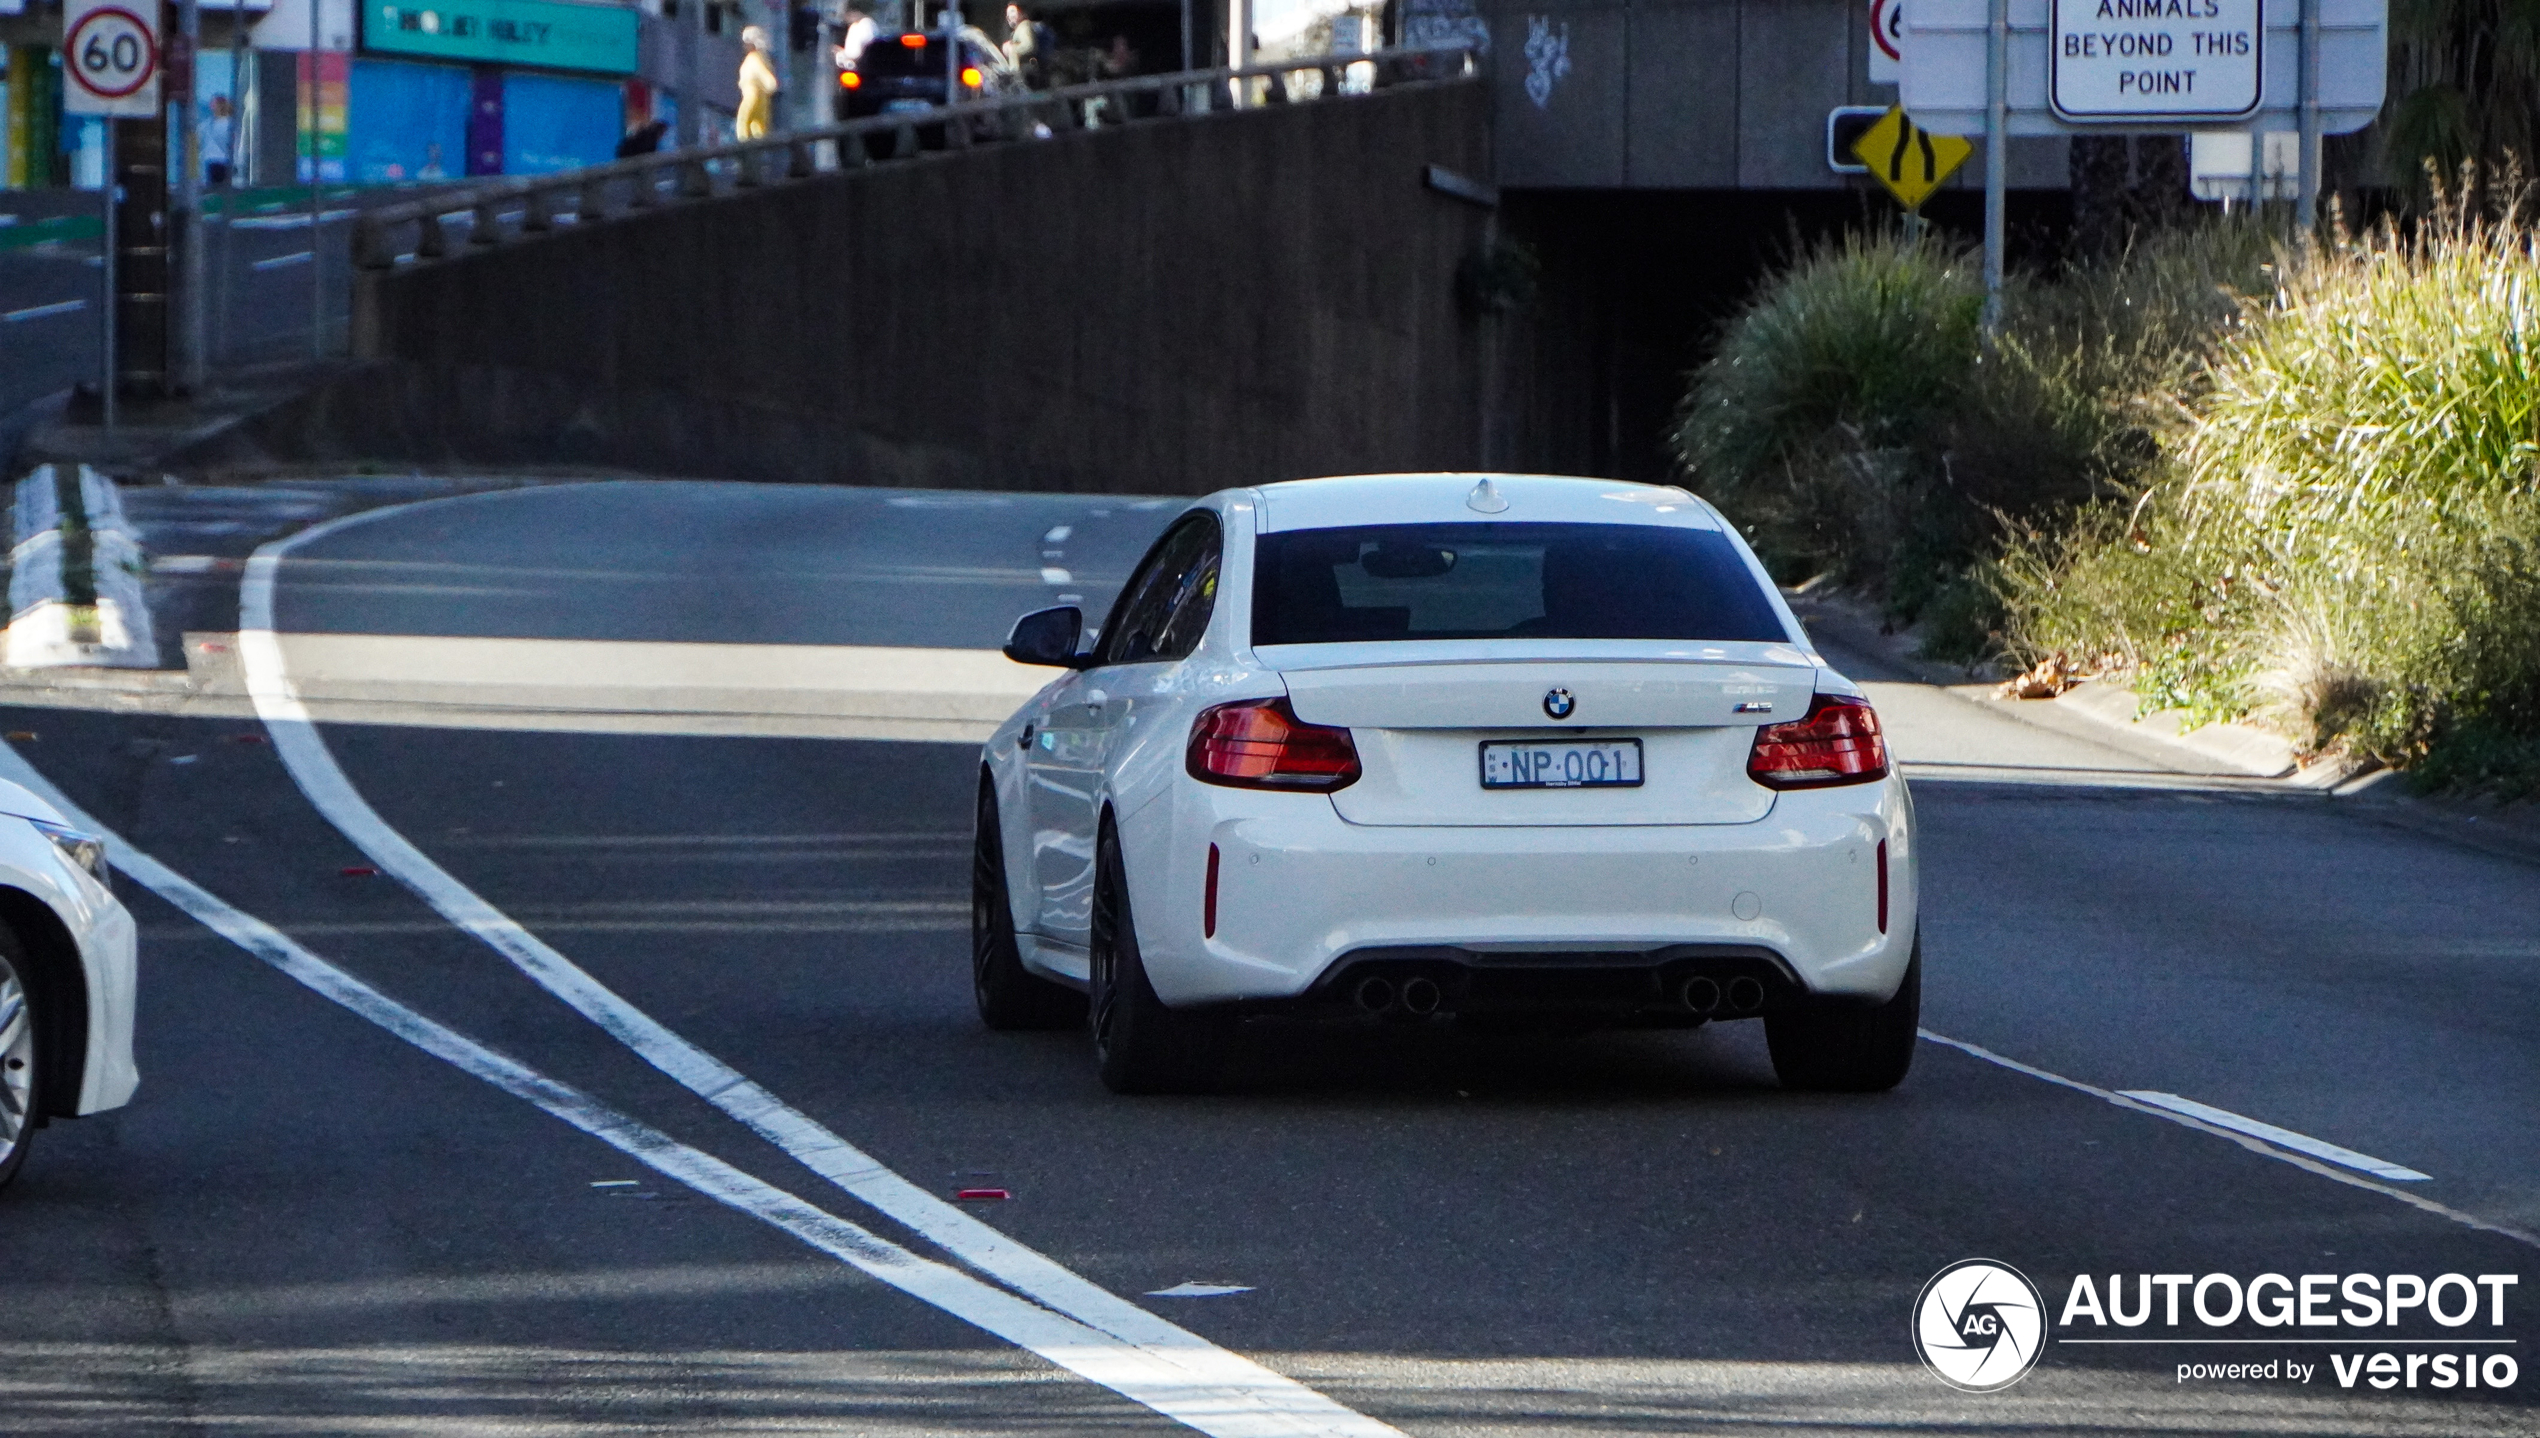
(1506, 748)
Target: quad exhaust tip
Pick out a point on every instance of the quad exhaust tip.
(1706, 995)
(1702, 994)
(1420, 997)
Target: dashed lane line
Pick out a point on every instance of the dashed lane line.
(2246, 1140)
(2280, 1137)
(1164, 1382)
(1280, 1403)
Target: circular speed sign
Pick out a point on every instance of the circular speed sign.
(111, 53)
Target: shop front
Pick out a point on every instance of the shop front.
(486, 87)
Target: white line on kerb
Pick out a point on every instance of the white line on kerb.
(37, 312)
(2281, 1137)
(1256, 1400)
(2255, 1145)
(1159, 1381)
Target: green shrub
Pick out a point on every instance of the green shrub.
(1855, 421)
(2347, 540)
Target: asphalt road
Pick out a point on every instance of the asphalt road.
(306, 1223)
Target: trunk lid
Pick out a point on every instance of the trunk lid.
(1419, 727)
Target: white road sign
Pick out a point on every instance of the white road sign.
(1943, 82)
(110, 57)
(2155, 59)
(1887, 40)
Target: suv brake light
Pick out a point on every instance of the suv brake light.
(1838, 742)
(1261, 744)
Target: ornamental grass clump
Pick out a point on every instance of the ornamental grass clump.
(2347, 539)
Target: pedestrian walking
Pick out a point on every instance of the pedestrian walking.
(1025, 46)
(220, 142)
(758, 86)
(644, 139)
(855, 31)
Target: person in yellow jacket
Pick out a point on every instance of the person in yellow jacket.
(758, 86)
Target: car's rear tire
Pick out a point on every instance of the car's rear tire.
(20, 1073)
(1140, 1046)
(1010, 996)
(1831, 1049)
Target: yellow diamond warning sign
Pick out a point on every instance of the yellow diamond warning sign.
(1910, 160)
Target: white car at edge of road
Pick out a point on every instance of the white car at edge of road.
(1512, 748)
(67, 977)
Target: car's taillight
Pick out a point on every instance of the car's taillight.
(970, 76)
(850, 80)
(1261, 744)
(1837, 743)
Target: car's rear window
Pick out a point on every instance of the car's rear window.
(887, 56)
(1505, 581)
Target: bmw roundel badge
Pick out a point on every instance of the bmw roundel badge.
(1558, 703)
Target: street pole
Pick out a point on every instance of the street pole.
(1239, 46)
(189, 201)
(692, 105)
(1997, 162)
(106, 271)
(2306, 165)
(317, 201)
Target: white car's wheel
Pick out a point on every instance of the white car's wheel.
(1140, 1046)
(17, 1061)
(1010, 997)
(1850, 1050)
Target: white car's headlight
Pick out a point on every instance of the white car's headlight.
(86, 850)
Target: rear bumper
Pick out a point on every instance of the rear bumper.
(1549, 916)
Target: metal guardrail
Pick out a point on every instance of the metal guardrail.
(535, 204)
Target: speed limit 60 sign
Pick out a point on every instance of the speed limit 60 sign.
(110, 57)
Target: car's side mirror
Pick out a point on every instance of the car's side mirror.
(1048, 636)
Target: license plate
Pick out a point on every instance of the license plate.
(906, 107)
(1564, 764)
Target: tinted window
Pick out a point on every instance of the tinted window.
(887, 56)
(1505, 581)
(1165, 608)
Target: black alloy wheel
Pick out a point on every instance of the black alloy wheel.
(1011, 997)
(1140, 1046)
(1830, 1048)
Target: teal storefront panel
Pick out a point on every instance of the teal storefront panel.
(555, 122)
(556, 34)
(407, 122)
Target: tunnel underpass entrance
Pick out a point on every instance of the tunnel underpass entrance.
(1636, 285)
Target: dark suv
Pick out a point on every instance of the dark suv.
(902, 72)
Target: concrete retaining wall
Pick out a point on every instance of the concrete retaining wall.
(1163, 308)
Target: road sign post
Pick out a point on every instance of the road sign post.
(110, 68)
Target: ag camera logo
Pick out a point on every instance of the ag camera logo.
(1979, 1325)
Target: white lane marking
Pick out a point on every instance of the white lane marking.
(1276, 1403)
(37, 312)
(297, 257)
(2281, 1137)
(1051, 575)
(1058, 534)
(1196, 1289)
(297, 221)
(2301, 1161)
(1159, 1381)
